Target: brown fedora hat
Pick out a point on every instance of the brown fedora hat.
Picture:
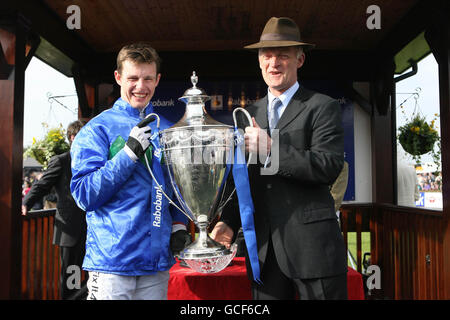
(280, 32)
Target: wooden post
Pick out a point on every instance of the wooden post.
(383, 137)
(86, 94)
(438, 37)
(12, 81)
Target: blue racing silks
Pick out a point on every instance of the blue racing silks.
(118, 195)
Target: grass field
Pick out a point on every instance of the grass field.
(365, 245)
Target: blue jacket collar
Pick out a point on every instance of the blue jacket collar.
(121, 104)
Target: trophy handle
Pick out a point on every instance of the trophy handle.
(153, 176)
(249, 118)
(148, 120)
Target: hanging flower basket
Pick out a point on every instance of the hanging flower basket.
(52, 144)
(418, 137)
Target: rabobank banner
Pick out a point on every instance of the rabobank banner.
(228, 95)
(225, 97)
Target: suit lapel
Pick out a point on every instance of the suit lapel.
(294, 108)
(261, 113)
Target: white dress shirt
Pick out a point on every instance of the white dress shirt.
(285, 98)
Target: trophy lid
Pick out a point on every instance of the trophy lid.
(194, 94)
(195, 114)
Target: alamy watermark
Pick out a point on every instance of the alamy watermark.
(197, 148)
(74, 280)
(74, 20)
(374, 280)
(374, 20)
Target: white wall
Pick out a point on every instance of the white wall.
(363, 147)
(363, 155)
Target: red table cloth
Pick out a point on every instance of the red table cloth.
(231, 283)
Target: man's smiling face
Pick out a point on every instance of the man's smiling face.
(137, 82)
(279, 67)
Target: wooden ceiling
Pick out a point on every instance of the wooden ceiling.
(196, 25)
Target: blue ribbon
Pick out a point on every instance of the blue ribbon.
(246, 208)
(158, 204)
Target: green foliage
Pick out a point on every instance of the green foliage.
(53, 143)
(417, 137)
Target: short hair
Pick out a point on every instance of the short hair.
(140, 52)
(300, 51)
(73, 128)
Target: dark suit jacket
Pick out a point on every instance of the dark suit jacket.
(70, 220)
(294, 206)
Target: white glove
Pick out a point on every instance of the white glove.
(139, 139)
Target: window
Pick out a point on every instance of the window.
(418, 95)
(43, 82)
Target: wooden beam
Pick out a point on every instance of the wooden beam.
(85, 101)
(7, 44)
(438, 37)
(11, 149)
(45, 22)
(32, 45)
(243, 65)
(382, 134)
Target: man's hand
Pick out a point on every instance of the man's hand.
(179, 240)
(139, 139)
(24, 210)
(257, 140)
(223, 234)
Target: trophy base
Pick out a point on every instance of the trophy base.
(208, 259)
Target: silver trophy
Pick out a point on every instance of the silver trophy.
(198, 152)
